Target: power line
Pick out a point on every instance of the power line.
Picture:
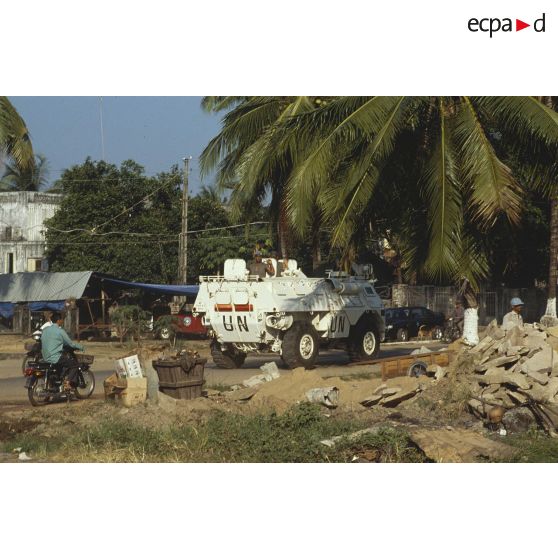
(92, 233)
(153, 241)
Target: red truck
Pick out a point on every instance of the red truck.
(184, 323)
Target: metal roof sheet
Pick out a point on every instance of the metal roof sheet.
(42, 286)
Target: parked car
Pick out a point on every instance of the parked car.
(404, 323)
(183, 323)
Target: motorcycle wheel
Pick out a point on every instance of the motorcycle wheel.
(26, 359)
(87, 391)
(38, 396)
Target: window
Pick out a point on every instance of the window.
(417, 312)
(34, 264)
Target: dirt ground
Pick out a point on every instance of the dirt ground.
(62, 419)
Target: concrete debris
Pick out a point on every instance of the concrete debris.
(458, 446)
(499, 361)
(270, 368)
(549, 322)
(269, 375)
(398, 390)
(402, 395)
(436, 370)
(371, 401)
(355, 435)
(327, 396)
(542, 362)
(552, 331)
(514, 369)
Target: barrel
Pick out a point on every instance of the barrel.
(181, 379)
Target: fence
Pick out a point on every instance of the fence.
(493, 303)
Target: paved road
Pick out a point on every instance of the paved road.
(330, 363)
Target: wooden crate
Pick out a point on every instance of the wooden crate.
(399, 366)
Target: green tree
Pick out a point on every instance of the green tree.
(118, 221)
(15, 141)
(212, 240)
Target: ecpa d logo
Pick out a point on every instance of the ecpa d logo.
(493, 25)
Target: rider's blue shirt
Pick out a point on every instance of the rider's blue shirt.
(53, 340)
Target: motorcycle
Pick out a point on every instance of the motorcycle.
(46, 382)
(451, 331)
(33, 350)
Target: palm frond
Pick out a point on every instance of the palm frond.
(14, 136)
(343, 122)
(524, 117)
(442, 192)
(493, 188)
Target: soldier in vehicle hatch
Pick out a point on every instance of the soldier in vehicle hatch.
(259, 268)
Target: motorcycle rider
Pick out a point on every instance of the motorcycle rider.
(53, 341)
(48, 322)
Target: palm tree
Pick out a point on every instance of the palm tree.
(337, 158)
(14, 136)
(350, 146)
(32, 178)
(245, 156)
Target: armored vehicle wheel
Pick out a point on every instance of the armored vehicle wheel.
(364, 340)
(300, 346)
(226, 359)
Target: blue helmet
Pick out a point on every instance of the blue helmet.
(516, 301)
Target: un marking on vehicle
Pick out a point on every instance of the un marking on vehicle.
(337, 324)
(242, 324)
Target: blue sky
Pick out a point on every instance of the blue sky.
(156, 132)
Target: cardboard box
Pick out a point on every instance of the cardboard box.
(129, 367)
(126, 391)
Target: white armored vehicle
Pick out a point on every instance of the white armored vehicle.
(289, 314)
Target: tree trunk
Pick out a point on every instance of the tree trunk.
(553, 249)
(283, 230)
(316, 249)
(553, 263)
(470, 316)
(471, 326)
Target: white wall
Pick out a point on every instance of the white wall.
(24, 213)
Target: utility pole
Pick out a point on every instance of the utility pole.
(183, 244)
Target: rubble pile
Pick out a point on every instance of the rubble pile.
(515, 370)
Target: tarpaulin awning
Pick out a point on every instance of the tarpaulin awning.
(176, 290)
(54, 305)
(6, 309)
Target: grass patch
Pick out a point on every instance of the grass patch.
(533, 447)
(293, 437)
(218, 387)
